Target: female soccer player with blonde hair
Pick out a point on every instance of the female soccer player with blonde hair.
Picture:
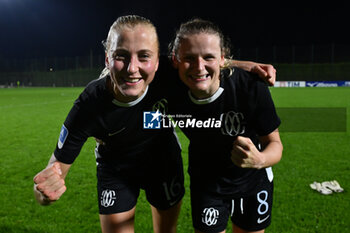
(131, 157)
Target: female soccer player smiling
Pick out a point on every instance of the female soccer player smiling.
(229, 167)
(130, 158)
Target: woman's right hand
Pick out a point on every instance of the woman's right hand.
(49, 184)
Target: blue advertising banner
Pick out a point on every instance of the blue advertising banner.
(328, 84)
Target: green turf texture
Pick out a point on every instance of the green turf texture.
(30, 122)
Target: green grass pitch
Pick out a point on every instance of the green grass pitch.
(30, 122)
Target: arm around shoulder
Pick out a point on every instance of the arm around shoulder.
(265, 71)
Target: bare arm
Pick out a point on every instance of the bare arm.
(272, 148)
(244, 153)
(49, 184)
(265, 71)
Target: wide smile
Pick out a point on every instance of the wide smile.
(199, 78)
(131, 81)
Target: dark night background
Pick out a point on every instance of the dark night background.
(47, 28)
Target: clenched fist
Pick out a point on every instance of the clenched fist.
(244, 154)
(49, 184)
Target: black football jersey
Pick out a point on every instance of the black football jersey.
(120, 125)
(242, 106)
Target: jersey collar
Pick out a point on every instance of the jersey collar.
(207, 100)
(132, 103)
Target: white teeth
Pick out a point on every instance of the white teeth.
(200, 77)
(132, 80)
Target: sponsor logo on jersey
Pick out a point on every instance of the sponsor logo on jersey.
(210, 216)
(63, 136)
(108, 198)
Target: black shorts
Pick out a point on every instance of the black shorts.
(162, 180)
(210, 212)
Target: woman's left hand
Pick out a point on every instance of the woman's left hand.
(244, 154)
(265, 71)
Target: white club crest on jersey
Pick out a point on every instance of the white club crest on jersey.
(210, 216)
(108, 198)
(232, 123)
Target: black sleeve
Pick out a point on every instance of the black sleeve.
(74, 132)
(266, 118)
